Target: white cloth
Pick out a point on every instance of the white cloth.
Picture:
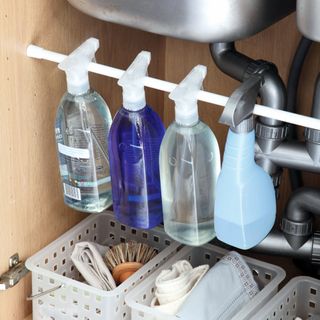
(174, 285)
(87, 258)
(222, 292)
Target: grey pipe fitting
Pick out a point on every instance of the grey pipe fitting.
(297, 220)
(230, 61)
(275, 243)
(292, 155)
(240, 67)
(272, 93)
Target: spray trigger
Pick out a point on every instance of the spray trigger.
(185, 96)
(132, 82)
(76, 66)
(242, 101)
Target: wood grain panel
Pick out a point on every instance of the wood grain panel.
(32, 209)
(33, 213)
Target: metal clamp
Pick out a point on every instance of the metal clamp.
(17, 270)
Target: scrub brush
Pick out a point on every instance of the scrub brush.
(126, 258)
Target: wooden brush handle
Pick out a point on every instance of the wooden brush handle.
(124, 270)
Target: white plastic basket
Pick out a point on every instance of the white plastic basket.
(300, 297)
(267, 276)
(52, 267)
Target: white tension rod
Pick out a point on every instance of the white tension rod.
(217, 99)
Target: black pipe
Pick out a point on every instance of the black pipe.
(315, 113)
(292, 88)
(295, 72)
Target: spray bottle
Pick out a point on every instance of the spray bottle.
(189, 167)
(82, 125)
(245, 204)
(134, 143)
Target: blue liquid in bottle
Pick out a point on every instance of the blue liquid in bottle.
(134, 145)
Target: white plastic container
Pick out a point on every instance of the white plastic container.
(267, 276)
(300, 297)
(52, 267)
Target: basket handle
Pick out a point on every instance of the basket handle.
(44, 293)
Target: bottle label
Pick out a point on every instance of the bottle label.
(71, 192)
(83, 162)
(74, 152)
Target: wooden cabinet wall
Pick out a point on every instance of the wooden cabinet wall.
(32, 211)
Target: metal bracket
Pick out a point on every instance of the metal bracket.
(17, 270)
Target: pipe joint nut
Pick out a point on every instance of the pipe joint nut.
(312, 135)
(299, 229)
(315, 253)
(268, 132)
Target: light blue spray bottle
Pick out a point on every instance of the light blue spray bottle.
(245, 206)
(82, 125)
(189, 167)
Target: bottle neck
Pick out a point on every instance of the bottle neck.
(77, 84)
(89, 91)
(186, 113)
(239, 150)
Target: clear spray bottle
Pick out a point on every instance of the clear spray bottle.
(189, 167)
(82, 125)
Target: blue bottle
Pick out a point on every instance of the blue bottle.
(134, 144)
(245, 206)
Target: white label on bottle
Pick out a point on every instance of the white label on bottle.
(74, 152)
(71, 192)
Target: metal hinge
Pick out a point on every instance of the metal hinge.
(17, 270)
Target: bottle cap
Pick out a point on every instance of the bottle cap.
(132, 82)
(185, 96)
(244, 126)
(76, 66)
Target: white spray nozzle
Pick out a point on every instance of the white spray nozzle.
(132, 82)
(76, 66)
(185, 96)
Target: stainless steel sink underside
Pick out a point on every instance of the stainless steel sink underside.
(198, 20)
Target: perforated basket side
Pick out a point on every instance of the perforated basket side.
(52, 267)
(267, 275)
(300, 297)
